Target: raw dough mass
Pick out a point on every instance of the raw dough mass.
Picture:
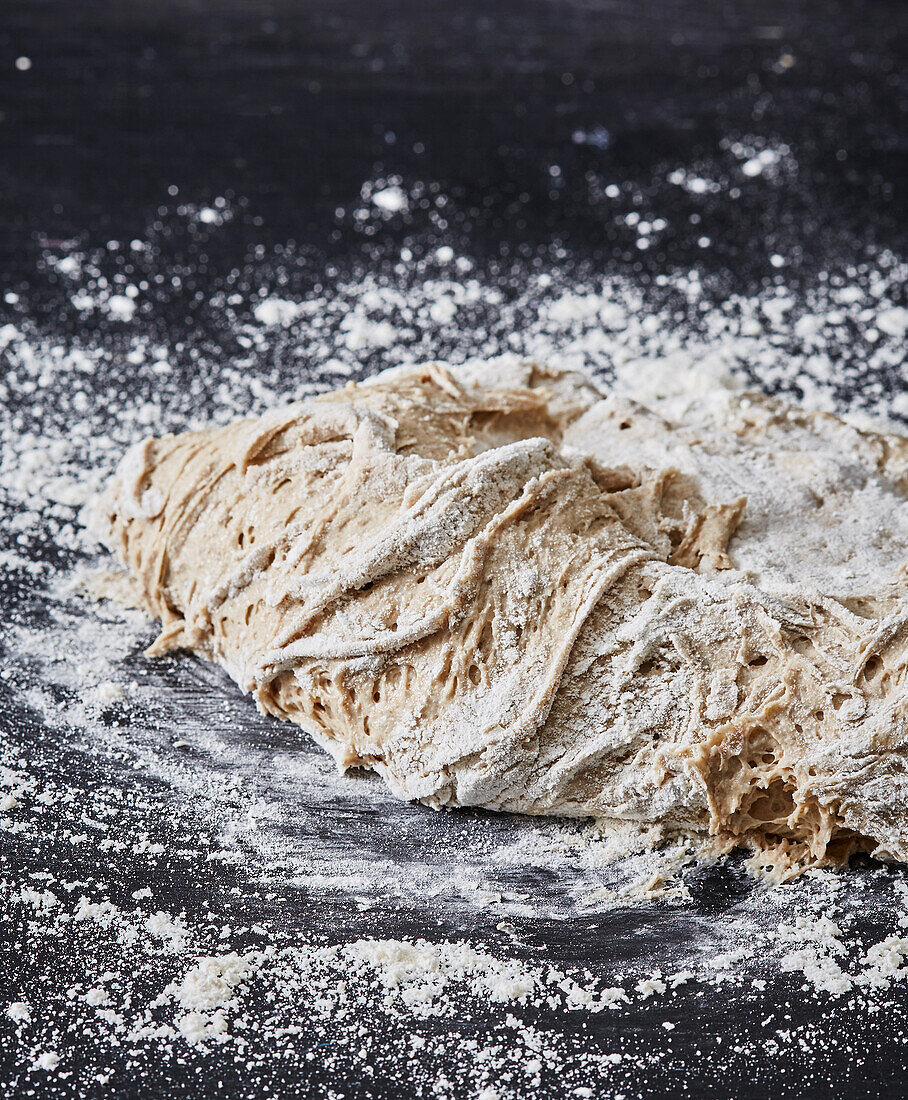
(498, 588)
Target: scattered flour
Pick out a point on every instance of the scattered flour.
(143, 787)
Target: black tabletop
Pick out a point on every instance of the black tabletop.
(217, 155)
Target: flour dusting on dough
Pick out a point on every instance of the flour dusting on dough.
(517, 594)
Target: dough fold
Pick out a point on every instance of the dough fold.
(502, 595)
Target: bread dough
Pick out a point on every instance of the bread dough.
(517, 594)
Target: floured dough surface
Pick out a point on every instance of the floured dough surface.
(508, 591)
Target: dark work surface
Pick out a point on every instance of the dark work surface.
(285, 109)
(292, 106)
